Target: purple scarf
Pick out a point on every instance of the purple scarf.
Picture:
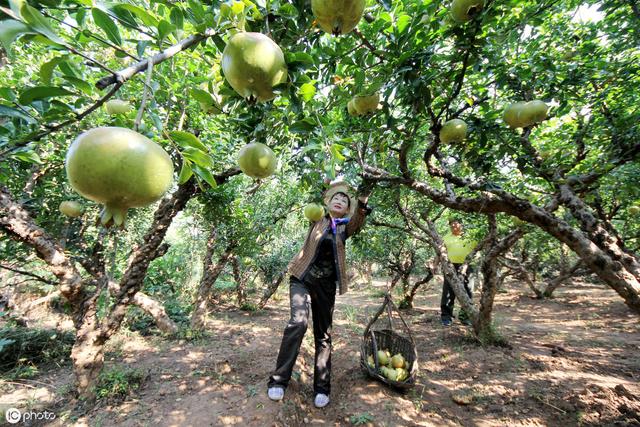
(337, 221)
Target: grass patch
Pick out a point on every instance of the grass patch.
(118, 383)
(22, 349)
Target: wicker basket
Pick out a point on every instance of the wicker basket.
(376, 337)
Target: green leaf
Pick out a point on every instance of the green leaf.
(10, 30)
(41, 92)
(29, 156)
(81, 15)
(141, 46)
(12, 112)
(85, 87)
(8, 94)
(202, 96)
(199, 157)
(46, 70)
(185, 172)
(307, 91)
(106, 24)
(186, 139)
(176, 17)
(206, 175)
(164, 29)
(336, 152)
(38, 22)
(196, 9)
(403, 22)
(303, 126)
(146, 18)
(288, 11)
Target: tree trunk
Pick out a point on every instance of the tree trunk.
(407, 302)
(483, 324)
(271, 289)
(151, 307)
(564, 275)
(209, 277)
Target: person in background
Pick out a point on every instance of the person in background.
(457, 250)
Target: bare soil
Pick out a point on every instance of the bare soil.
(572, 360)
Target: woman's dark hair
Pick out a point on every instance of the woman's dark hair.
(345, 195)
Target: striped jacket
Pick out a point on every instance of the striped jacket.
(300, 264)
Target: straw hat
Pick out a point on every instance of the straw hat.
(341, 187)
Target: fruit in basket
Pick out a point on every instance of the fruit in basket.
(383, 358)
(402, 374)
(370, 361)
(397, 361)
(391, 374)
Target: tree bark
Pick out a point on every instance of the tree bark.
(564, 275)
(150, 306)
(407, 302)
(209, 277)
(483, 325)
(271, 289)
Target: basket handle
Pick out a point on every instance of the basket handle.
(375, 317)
(390, 304)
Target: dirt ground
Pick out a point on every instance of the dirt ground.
(572, 360)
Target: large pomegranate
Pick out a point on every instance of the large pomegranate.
(257, 160)
(118, 168)
(253, 64)
(337, 16)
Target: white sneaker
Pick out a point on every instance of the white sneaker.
(321, 400)
(275, 393)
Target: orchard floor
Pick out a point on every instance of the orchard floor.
(574, 360)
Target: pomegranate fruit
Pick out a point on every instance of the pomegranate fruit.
(257, 160)
(71, 208)
(118, 168)
(253, 64)
(454, 130)
(337, 16)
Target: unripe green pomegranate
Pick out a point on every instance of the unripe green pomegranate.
(364, 104)
(337, 16)
(253, 64)
(117, 106)
(71, 208)
(118, 168)
(513, 115)
(313, 212)
(397, 361)
(634, 210)
(465, 10)
(454, 130)
(257, 160)
(383, 357)
(534, 112)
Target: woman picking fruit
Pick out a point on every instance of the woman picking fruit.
(316, 271)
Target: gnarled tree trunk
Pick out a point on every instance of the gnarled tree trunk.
(210, 274)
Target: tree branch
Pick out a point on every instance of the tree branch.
(126, 74)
